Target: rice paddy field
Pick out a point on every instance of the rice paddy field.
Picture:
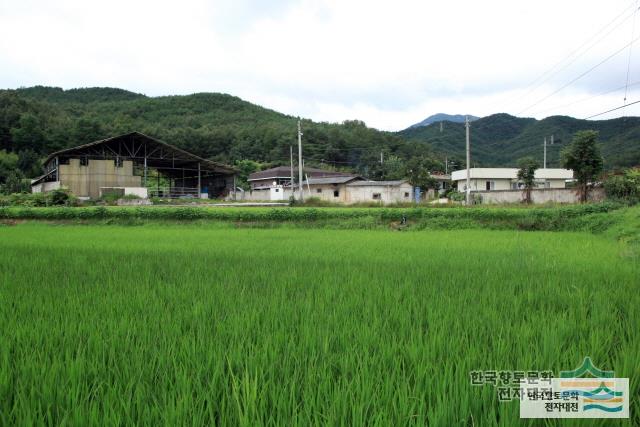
(192, 324)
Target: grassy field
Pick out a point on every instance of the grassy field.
(192, 324)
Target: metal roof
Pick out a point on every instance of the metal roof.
(285, 172)
(377, 183)
(210, 164)
(331, 180)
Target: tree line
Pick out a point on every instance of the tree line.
(37, 121)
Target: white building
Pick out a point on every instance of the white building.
(490, 179)
(355, 189)
(379, 191)
(338, 189)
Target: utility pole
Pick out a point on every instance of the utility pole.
(291, 183)
(544, 161)
(446, 165)
(300, 161)
(381, 157)
(466, 125)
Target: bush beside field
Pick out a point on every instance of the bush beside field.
(299, 214)
(614, 220)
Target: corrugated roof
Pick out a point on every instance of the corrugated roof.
(441, 177)
(377, 183)
(331, 180)
(285, 172)
(205, 162)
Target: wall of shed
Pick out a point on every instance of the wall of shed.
(43, 187)
(389, 194)
(86, 181)
(346, 194)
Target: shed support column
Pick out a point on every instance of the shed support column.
(57, 169)
(199, 182)
(145, 171)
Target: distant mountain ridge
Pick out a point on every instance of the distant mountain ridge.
(442, 117)
(502, 139)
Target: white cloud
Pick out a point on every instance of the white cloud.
(387, 63)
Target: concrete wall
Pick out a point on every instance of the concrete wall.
(255, 195)
(539, 195)
(326, 192)
(86, 181)
(346, 194)
(389, 194)
(43, 187)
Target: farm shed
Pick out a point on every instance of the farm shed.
(135, 164)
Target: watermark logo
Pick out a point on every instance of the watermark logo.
(585, 392)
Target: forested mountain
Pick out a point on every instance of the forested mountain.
(441, 117)
(501, 139)
(38, 120)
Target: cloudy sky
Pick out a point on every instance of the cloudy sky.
(389, 63)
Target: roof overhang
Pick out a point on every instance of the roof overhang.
(119, 146)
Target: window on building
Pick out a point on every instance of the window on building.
(277, 190)
(336, 193)
(319, 190)
(406, 194)
(377, 196)
(84, 161)
(490, 185)
(118, 162)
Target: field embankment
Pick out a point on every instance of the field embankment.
(575, 217)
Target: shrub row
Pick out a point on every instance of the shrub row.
(534, 218)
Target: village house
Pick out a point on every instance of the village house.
(501, 185)
(340, 187)
(495, 179)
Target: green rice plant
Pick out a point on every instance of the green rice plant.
(194, 323)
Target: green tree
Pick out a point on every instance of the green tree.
(527, 174)
(30, 133)
(245, 168)
(418, 172)
(86, 130)
(8, 165)
(584, 158)
(393, 168)
(625, 186)
(29, 163)
(14, 183)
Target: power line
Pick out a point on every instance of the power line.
(633, 31)
(613, 109)
(580, 76)
(587, 98)
(550, 72)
